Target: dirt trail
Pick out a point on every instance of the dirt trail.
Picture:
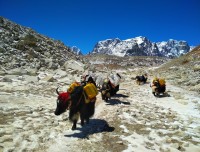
(133, 120)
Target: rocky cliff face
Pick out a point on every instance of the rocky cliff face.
(141, 46)
(173, 48)
(22, 46)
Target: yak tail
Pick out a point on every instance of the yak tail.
(57, 91)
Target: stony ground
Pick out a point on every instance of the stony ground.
(133, 120)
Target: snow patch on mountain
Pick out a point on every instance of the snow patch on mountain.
(76, 50)
(141, 46)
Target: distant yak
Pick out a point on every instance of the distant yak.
(141, 79)
(108, 90)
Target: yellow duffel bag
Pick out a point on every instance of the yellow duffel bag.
(72, 86)
(162, 82)
(91, 90)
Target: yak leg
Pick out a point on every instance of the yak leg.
(82, 120)
(103, 94)
(157, 92)
(90, 111)
(74, 119)
(103, 97)
(92, 108)
(154, 90)
(106, 99)
(74, 124)
(107, 96)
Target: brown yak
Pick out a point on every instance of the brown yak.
(75, 103)
(157, 88)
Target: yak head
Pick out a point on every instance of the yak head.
(63, 102)
(156, 83)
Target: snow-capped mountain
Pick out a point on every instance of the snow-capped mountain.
(76, 50)
(141, 46)
(173, 48)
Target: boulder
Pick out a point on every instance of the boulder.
(75, 65)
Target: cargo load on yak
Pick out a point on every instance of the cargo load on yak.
(161, 81)
(158, 86)
(115, 79)
(90, 90)
(72, 86)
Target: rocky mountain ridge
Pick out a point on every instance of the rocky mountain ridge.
(21, 46)
(141, 46)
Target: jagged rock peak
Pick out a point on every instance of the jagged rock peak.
(141, 46)
(76, 50)
(173, 48)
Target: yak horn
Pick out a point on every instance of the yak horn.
(57, 91)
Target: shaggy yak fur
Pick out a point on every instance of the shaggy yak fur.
(108, 90)
(157, 89)
(75, 103)
(141, 79)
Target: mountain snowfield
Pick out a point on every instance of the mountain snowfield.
(141, 46)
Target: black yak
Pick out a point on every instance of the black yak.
(141, 79)
(76, 104)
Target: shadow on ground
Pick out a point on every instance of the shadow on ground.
(94, 126)
(163, 95)
(117, 101)
(121, 95)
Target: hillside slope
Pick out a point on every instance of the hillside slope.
(23, 47)
(183, 71)
(100, 62)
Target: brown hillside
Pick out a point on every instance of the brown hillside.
(195, 51)
(183, 71)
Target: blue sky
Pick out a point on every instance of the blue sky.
(83, 23)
